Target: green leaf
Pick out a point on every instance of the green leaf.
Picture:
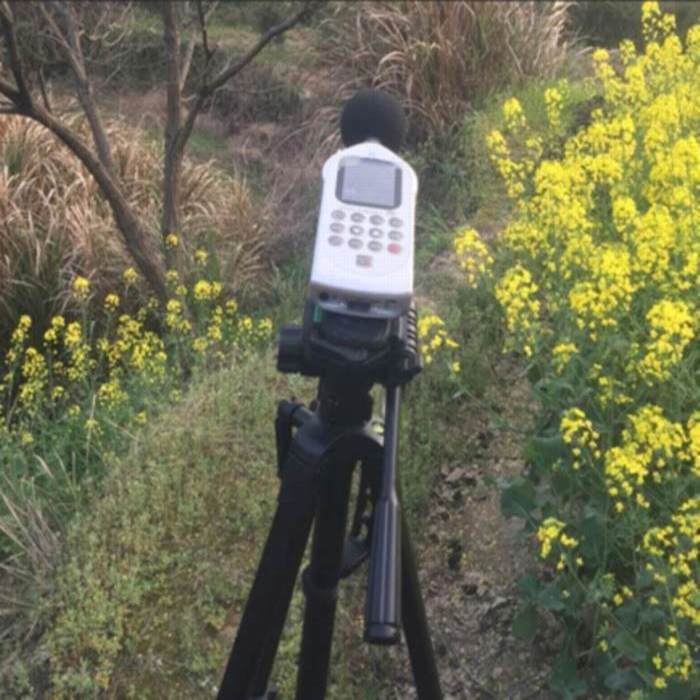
(550, 598)
(651, 616)
(564, 677)
(593, 539)
(529, 586)
(518, 498)
(526, 623)
(625, 643)
(628, 679)
(544, 451)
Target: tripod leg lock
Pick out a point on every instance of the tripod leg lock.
(290, 414)
(323, 596)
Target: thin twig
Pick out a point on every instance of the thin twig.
(44, 92)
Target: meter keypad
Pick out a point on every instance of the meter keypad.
(382, 228)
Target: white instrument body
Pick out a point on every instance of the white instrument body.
(363, 256)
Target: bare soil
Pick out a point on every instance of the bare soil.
(470, 559)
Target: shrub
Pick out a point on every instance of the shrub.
(439, 58)
(54, 224)
(597, 280)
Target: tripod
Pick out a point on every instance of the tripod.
(316, 468)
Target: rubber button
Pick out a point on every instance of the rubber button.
(394, 248)
(376, 220)
(338, 214)
(395, 235)
(375, 246)
(335, 240)
(364, 260)
(356, 230)
(357, 217)
(396, 222)
(355, 243)
(376, 232)
(337, 228)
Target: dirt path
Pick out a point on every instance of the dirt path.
(469, 562)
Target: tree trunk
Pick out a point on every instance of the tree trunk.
(173, 151)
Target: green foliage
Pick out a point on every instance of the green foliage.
(595, 278)
(607, 22)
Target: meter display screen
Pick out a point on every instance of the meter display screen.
(369, 182)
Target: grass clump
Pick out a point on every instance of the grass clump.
(440, 58)
(595, 281)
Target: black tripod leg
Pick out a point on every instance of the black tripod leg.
(248, 667)
(415, 624)
(321, 581)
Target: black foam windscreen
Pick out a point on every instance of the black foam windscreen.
(373, 114)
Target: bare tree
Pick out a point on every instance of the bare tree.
(18, 95)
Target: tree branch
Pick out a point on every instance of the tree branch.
(44, 91)
(8, 91)
(225, 75)
(76, 59)
(187, 62)
(125, 218)
(172, 153)
(21, 95)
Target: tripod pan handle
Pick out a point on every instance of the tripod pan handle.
(383, 618)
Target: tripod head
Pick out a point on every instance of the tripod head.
(376, 350)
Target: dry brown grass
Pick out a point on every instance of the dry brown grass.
(55, 224)
(438, 57)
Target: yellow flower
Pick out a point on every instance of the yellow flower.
(200, 344)
(171, 240)
(473, 255)
(203, 290)
(172, 277)
(81, 287)
(130, 275)
(111, 302)
(513, 114)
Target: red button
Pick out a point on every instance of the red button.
(394, 248)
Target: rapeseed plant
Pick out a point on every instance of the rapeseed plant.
(597, 278)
